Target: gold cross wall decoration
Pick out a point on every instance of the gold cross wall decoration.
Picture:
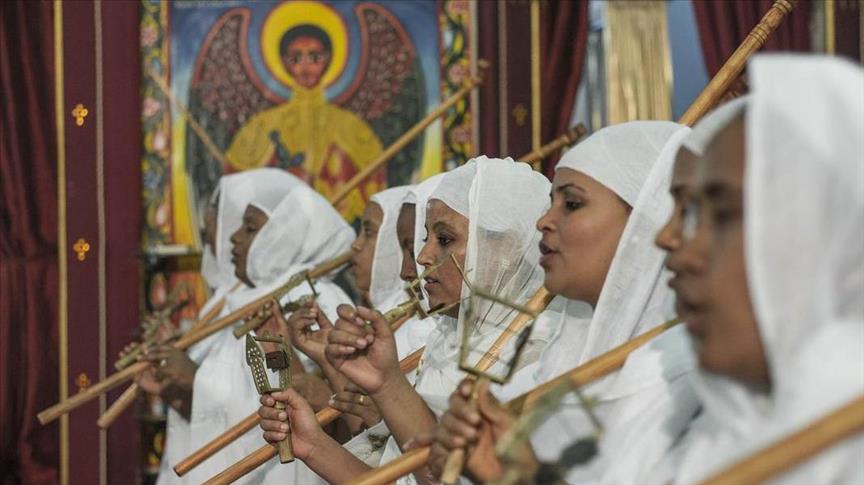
(81, 248)
(79, 113)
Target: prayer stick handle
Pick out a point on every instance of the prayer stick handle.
(409, 135)
(285, 447)
(795, 448)
(730, 71)
(121, 404)
(570, 137)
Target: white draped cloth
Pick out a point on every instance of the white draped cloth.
(302, 230)
(644, 406)
(502, 201)
(805, 270)
(218, 272)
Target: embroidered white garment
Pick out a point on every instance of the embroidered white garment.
(502, 201)
(805, 264)
(645, 405)
(302, 230)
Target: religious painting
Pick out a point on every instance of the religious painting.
(317, 88)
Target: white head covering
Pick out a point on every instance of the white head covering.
(303, 230)
(639, 405)
(502, 201)
(386, 286)
(805, 261)
(419, 196)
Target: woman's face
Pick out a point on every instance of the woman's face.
(672, 234)
(446, 235)
(723, 323)
(405, 233)
(580, 235)
(363, 248)
(253, 220)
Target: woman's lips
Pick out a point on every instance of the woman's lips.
(546, 253)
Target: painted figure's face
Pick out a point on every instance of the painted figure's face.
(253, 220)
(447, 234)
(580, 230)
(363, 248)
(719, 314)
(306, 60)
(405, 233)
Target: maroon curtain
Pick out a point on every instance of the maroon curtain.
(28, 243)
(723, 24)
(563, 40)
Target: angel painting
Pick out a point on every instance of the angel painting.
(322, 137)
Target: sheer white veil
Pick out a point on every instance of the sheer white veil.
(387, 289)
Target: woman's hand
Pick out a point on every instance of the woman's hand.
(478, 428)
(367, 358)
(170, 367)
(275, 325)
(306, 433)
(353, 401)
(311, 342)
(313, 389)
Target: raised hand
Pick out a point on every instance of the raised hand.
(171, 367)
(367, 358)
(306, 434)
(476, 427)
(313, 343)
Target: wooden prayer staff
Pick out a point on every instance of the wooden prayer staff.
(796, 448)
(570, 137)
(735, 64)
(188, 340)
(586, 373)
(411, 134)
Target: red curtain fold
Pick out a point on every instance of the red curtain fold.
(563, 41)
(28, 243)
(723, 25)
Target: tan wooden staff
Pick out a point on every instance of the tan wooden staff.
(827, 431)
(183, 343)
(735, 64)
(584, 374)
(407, 364)
(409, 135)
(570, 137)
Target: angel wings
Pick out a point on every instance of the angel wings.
(322, 141)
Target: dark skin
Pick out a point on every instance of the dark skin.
(363, 247)
(253, 220)
(210, 221)
(724, 324)
(306, 60)
(447, 233)
(405, 233)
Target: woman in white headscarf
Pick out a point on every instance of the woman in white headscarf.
(482, 214)
(218, 273)
(287, 227)
(608, 200)
(781, 333)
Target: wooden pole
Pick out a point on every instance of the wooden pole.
(409, 135)
(188, 340)
(820, 435)
(570, 137)
(736, 62)
(584, 374)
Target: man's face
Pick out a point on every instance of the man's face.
(306, 60)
